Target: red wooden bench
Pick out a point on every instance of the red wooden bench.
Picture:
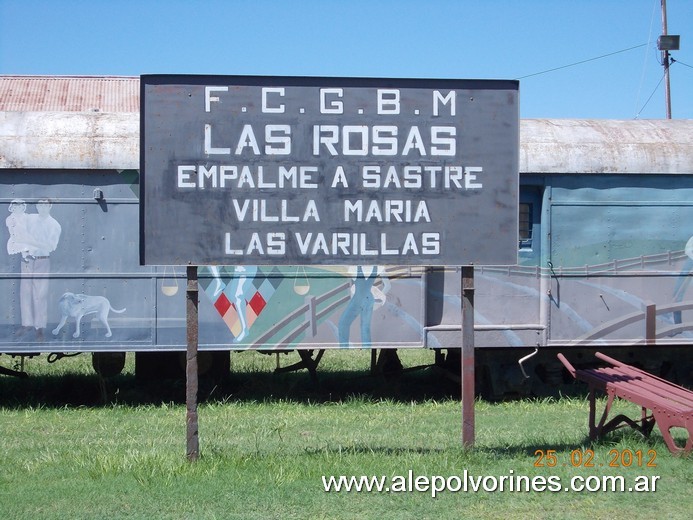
(669, 405)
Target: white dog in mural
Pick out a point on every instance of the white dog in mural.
(79, 305)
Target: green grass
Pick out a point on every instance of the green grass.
(69, 450)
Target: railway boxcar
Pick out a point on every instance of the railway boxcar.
(605, 253)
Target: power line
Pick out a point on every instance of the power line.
(681, 63)
(644, 64)
(583, 61)
(648, 99)
(673, 60)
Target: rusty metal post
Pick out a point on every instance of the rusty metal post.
(467, 356)
(191, 384)
(650, 324)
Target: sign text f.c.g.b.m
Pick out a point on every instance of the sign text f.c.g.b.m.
(283, 170)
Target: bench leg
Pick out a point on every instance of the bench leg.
(644, 426)
(596, 429)
(593, 413)
(647, 423)
(665, 424)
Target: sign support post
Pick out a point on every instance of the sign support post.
(467, 356)
(191, 383)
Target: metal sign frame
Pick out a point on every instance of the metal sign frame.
(350, 159)
(333, 171)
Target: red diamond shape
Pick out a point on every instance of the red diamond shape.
(222, 304)
(257, 303)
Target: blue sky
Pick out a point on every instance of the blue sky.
(406, 38)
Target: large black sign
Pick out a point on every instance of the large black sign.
(286, 170)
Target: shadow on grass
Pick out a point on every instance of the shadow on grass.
(410, 386)
(75, 390)
(419, 383)
(520, 450)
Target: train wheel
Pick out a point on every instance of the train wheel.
(108, 364)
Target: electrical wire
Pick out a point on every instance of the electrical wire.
(581, 62)
(645, 58)
(680, 63)
(660, 82)
(648, 99)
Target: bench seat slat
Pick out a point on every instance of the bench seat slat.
(668, 392)
(619, 364)
(656, 381)
(612, 374)
(648, 396)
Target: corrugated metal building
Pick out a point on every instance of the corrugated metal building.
(70, 93)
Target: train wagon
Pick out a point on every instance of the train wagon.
(604, 258)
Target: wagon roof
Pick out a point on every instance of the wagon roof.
(93, 122)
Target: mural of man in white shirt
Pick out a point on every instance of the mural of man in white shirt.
(35, 240)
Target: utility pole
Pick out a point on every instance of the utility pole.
(667, 42)
(665, 61)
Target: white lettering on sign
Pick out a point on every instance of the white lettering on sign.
(277, 141)
(233, 176)
(348, 244)
(209, 98)
(339, 180)
(270, 244)
(386, 211)
(276, 109)
(450, 98)
(413, 177)
(260, 211)
(336, 244)
(213, 150)
(331, 105)
(388, 101)
(417, 177)
(331, 171)
(247, 140)
(379, 140)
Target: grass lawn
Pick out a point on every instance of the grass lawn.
(266, 442)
